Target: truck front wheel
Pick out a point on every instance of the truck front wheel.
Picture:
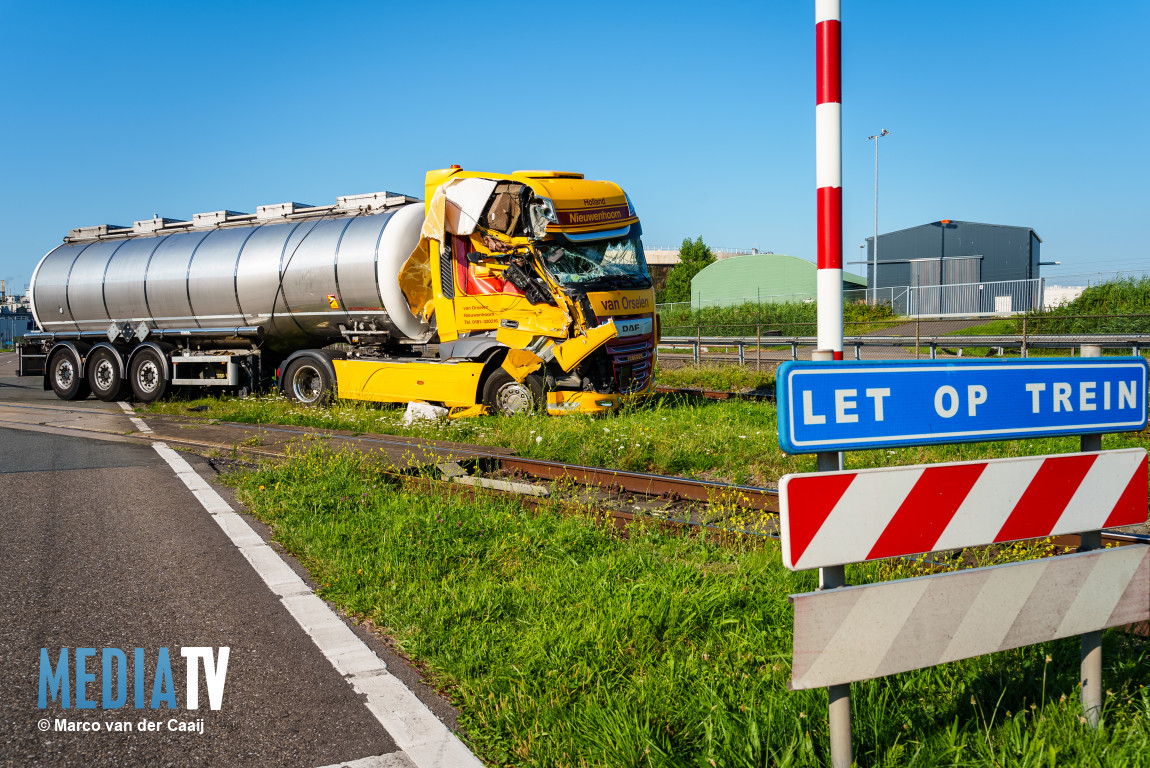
(306, 381)
(505, 396)
(146, 375)
(64, 375)
(104, 376)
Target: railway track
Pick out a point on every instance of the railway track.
(713, 394)
(669, 500)
(624, 496)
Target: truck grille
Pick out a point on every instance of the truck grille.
(632, 361)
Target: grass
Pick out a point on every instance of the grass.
(717, 377)
(565, 645)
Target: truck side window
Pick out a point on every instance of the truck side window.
(476, 279)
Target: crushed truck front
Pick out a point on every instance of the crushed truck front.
(549, 265)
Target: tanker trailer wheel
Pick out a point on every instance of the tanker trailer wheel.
(306, 381)
(146, 375)
(104, 377)
(505, 396)
(64, 375)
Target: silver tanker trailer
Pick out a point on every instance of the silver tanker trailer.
(213, 301)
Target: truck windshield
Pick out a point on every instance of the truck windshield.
(599, 261)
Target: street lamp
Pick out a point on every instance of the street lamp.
(876, 137)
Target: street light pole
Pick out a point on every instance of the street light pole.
(874, 273)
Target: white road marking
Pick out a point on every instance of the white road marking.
(426, 741)
(391, 760)
(139, 423)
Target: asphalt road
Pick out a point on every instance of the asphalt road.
(103, 546)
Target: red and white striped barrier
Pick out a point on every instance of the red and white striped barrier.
(829, 174)
(859, 633)
(834, 518)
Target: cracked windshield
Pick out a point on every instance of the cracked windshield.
(582, 263)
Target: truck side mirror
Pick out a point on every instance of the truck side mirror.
(477, 258)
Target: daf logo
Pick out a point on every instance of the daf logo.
(633, 327)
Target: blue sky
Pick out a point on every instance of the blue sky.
(1021, 113)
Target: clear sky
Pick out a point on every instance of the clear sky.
(1021, 113)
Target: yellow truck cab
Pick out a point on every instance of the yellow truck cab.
(535, 291)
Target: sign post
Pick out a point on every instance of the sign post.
(834, 577)
(1091, 670)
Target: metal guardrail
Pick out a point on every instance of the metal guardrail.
(1134, 341)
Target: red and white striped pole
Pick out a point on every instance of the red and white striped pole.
(829, 174)
(829, 288)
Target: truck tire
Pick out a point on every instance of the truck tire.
(104, 377)
(146, 375)
(504, 396)
(64, 376)
(307, 381)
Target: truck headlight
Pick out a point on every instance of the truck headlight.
(541, 212)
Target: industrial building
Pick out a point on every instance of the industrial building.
(14, 323)
(957, 267)
(761, 277)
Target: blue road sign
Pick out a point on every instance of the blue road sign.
(842, 406)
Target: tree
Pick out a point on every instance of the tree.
(693, 256)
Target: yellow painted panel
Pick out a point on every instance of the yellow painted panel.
(453, 384)
(607, 303)
(561, 403)
(573, 351)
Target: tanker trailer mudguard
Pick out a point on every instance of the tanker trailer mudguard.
(505, 292)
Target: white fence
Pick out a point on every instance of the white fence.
(1004, 297)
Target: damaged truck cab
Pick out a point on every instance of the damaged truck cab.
(535, 287)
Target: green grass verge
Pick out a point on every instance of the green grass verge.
(565, 645)
(721, 378)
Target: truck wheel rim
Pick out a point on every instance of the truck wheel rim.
(65, 374)
(148, 376)
(307, 385)
(104, 375)
(514, 398)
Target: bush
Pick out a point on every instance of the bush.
(1124, 296)
(693, 257)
